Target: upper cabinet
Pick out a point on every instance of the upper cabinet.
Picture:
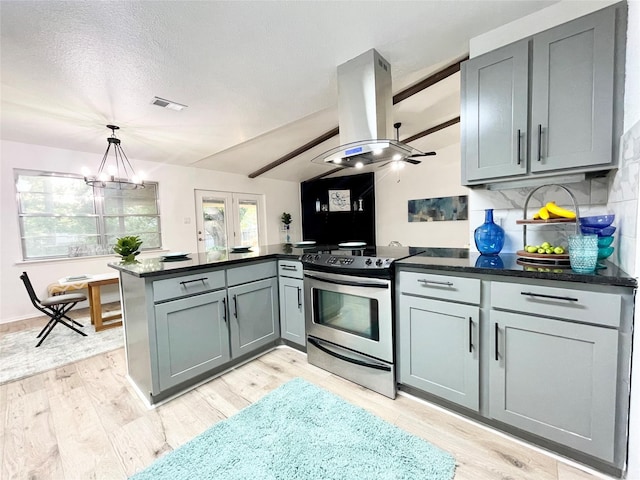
(495, 92)
(544, 105)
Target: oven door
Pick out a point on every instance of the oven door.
(350, 311)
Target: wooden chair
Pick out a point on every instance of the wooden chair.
(55, 307)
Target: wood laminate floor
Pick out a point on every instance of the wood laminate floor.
(84, 421)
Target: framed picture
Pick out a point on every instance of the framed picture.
(339, 200)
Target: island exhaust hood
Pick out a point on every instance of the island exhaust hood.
(365, 104)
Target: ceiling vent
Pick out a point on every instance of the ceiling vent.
(161, 102)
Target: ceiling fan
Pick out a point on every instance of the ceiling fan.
(412, 159)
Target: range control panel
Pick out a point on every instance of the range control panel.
(339, 261)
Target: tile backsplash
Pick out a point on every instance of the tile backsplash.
(615, 193)
(591, 198)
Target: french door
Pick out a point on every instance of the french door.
(227, 219)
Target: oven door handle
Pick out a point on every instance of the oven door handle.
(376, 366)
(347, 283)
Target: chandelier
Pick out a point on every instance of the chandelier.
(115, 173)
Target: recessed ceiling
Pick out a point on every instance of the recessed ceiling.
(259, 78)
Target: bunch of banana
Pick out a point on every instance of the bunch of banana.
(551, 210)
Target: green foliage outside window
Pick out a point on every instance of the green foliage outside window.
(61, 216)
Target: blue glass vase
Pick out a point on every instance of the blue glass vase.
(489, 237)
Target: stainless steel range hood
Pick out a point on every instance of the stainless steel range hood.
(365, 104)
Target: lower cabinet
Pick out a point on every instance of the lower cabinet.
(546, 360)
(555, 379)
(254, 318)
(192, 337)
(292, 310)
(182, 328)
(439, 350)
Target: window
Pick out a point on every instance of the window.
(61, 216)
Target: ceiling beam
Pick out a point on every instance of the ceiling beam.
(298, 151)
(431, 130)
(402, 95)
(427, 82)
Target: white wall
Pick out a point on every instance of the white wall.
(437, 176)
(556, 14)
(177, 210)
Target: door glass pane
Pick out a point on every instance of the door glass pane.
(214, 224)
(248, 215)
(349, 313)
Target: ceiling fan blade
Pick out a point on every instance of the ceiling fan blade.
(426, 154)
(412, 161)
(384, 164)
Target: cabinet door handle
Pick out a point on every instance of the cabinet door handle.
(299, 298)
(433, 282)
(497, 329)
(235, 306)
(203, 279)
(291, 268)
(553, 297)
(518, 143)
(470, 335)
(224, 310)
(539, 142)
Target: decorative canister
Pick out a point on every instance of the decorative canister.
(489, 236)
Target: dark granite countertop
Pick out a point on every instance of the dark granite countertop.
(462, 260)
(445, 259)
(154, 267)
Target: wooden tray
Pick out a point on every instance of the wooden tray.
(534, 264)
(542, 256)
(543, 259)
(531, 221)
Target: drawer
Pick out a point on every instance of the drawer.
(251, 273)
(186, 285)
(441, 287)
(288, 268)
(565, 303)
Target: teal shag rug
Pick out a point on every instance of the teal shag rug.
(300, 431)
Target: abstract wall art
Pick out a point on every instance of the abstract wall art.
(438, 209)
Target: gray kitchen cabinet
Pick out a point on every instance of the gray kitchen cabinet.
(290, 286)
(254, 318)
(556, 380)
(569, 126)
(438, 340)
(547, 361)
(184, 326)
(192, 337)
(554, 364)
(494, 114)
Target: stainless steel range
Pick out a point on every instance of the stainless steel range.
(348, 296)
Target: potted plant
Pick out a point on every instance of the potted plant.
(128, 247)
(286, 220)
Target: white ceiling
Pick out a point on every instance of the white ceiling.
(259, 77)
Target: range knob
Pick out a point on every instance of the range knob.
(379, 262)
(367, 262)
(317, 257)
